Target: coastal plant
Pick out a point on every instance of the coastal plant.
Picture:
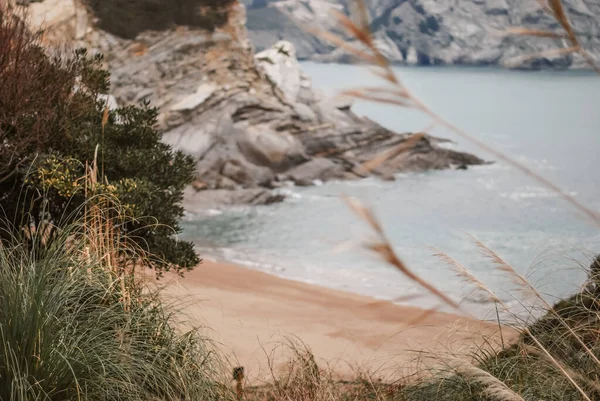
(554, 358)
(67, 334)
(55, 122)
(298, 378)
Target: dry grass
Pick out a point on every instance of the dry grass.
(492, 387)
(382, 247)
(302, 379)
(556, 9)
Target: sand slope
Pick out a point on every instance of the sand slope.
(250, 314)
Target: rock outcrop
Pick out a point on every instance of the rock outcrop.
(434, 32)
(254, 123)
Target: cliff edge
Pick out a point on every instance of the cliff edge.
(254, 123)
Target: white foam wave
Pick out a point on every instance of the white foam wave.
(213, 212)
(532, 193)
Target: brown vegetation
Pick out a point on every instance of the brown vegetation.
(129, 18)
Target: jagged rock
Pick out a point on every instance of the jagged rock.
(411, 57)
(343, 102)
(305, 113)
(281, 67)
(234, 170)
(496, 7)
(50, 13)
(190, 102)
(199, 201)
(59, 19)
(251, 123)
(384, 43)
(199, 185)
(318, 168)
(226, 183)
(264, 147)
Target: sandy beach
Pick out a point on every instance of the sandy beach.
(250, 314)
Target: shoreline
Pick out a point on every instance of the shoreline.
(251, 315)
(584, 69)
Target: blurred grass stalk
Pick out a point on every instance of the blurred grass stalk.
(398, 94)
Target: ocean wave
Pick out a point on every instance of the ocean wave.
(290, 194)
(489, 183)
(538, 164)
(532, 193)
(243, 258)
(262, 266)
(213, 212)
(190, 217)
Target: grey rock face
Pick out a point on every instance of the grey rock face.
(252, 122)
(319, 168)
(436, 32)
(257, 122)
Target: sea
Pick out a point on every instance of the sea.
(549, 121)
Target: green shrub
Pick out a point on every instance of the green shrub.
(53, 124)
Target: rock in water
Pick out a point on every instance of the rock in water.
(319, 168)
(251, 122)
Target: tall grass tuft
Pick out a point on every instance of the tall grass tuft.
(66, 334)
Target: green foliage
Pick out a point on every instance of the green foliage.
(129, 18)
(67, 334)
(53, 124)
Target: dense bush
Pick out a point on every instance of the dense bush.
(54, 123)
(128, 18)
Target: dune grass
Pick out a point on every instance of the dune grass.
(67, 334)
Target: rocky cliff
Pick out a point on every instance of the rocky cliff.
(254, 123)
(432, 32)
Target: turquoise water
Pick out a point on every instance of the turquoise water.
(549, 121)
